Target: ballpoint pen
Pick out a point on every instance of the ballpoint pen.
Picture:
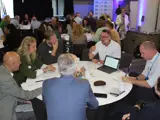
(39, 81)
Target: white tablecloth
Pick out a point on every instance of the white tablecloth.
(25, 27)
(113, 82)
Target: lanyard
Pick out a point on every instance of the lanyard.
(152, 67)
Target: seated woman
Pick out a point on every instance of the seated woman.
(26, 20)
(70, 25)
(79, 40)
(86, 26)
(5, 21)
(30, 65)
(78, 36)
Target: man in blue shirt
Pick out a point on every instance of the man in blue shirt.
(147, 79)
(151, 71)
(66, 97)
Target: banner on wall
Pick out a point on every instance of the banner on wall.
(103, 7)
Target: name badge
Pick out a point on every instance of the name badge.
(29, 67)
(50, 51)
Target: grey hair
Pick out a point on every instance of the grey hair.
(149, 45)
(17, 17)
(66, 64)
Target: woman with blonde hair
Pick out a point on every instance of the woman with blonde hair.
(30, 68)
(78, 36)
(30, 65)
(79, 40)
(5, 21)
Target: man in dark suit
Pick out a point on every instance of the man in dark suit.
(66, 97)
(10, 92)
(142, 110)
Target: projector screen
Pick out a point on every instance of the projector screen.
(6, 8)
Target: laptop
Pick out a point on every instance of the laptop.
(110, 64)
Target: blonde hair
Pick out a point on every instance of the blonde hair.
(107, 17)
(7, 19)
(24, 47)
(78, 30)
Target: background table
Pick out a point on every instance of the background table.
(113, 82)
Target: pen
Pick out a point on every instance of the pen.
(115, 94)
(121, 92)
(39, 81)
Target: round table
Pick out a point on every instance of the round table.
(113, 82)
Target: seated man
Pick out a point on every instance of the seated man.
(148, 111)
(151, 72)
(66, 97)
(148, 77)
(105, 47)
(35, 24)
(49, 49)
(10, 92)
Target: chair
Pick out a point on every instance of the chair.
(1, 56)
(78, 49)
(126, 61)
(85, 56)
(67, 46)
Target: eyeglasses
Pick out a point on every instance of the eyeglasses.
(105, 36)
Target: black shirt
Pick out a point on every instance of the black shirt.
(45, 51)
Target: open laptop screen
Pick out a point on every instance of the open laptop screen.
(111, 62)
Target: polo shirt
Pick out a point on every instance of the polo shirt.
(113, 49)
(152, 70)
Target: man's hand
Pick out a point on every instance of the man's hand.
(55, 47)
(45, 69)
(126, 117)
(92, 49)
(82, 71)
(101, 61)
(27, 102)
(126, 79)
(51, 68)
(95, 61)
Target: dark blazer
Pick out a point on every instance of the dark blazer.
(10, 93)
(66, 98)
(149, 112)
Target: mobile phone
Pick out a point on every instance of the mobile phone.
(100, 95)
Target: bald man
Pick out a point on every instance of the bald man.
(151, 72)
(147, 79)
(10, 92)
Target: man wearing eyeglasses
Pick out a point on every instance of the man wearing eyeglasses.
(105, 47)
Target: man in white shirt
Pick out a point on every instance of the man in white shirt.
(105, 47)
(35, 24)
(15, 21)
(78, 19)
(122, 23)
(151, 72)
